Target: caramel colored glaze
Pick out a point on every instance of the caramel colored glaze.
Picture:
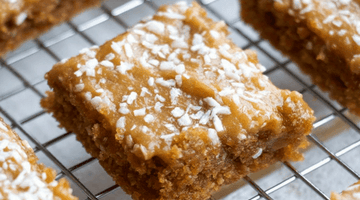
(351, 193)
(21, 177)
(326, 59)
(335, 22)
(173, 109)
(21, 20)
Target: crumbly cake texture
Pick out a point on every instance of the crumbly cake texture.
(173, 109)
(21, 178)
(351, 193)
(21, 20)
(321, 36)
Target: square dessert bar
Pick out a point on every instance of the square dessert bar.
(321, 36)
(21, 20)
(173, 109)
(351, 193)
(21, 178)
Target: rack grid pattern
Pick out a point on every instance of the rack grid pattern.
(22, 86)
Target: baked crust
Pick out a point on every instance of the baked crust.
(174, 110)
(21, 177)
(22, 20)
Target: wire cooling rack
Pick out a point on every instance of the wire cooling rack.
(329, 163)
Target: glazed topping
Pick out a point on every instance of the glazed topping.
(337, 22)
(13, 3)
(18, 180)
(12, 8)
(176, 71)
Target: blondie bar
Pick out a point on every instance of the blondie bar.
(321, 36)
(174, 110)
(21, 178)
(21, 20)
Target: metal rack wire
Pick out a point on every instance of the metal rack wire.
(13, 75)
